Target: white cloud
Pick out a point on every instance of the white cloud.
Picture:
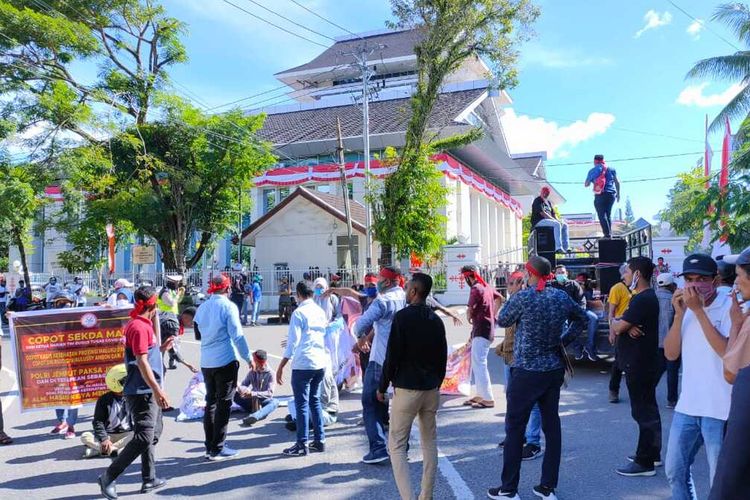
(536, 55)
(654, 20)
(695, 28)
(693, 95)
(526, 133)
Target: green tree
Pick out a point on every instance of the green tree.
(734, 67)
(688, 207)
(629, 215)
(407, 209)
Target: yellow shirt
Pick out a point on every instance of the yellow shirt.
(619, 296)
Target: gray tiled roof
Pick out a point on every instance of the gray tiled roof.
(358, 211)
(386, 117)
(397, 44)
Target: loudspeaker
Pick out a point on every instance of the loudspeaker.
(612, 254)
(545, 240)
(612, 251)
(550, 256)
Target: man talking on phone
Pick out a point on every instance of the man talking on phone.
(638, 356)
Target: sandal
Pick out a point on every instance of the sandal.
(5, 439)
(470, 402)
(483, 404)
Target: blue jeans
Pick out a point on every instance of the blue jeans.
(266, 406)
(374, 412)
(560, 231)
(534, 427)
(328, 418)
(245, 310)
(72, 415)
(306, 388)
(686, 437)
(256, 310)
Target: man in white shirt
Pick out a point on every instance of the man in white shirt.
(699, 335)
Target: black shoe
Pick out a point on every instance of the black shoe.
(292, 426)
(657, 463)
(579, 356)
(107, 487)
(501, 444)
(544, 492)
(249, 421)
(114, 454)
(591, 356)
(154, 484)
(289, 418)
(499, 494)
(530, 452)
(172, 367)
(614, 397)
(298, 450)
(671, 405)
(317, 447)
(636, 470)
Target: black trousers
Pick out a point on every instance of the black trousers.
(732, 479)
(221, 384)
(147, 427)
(615, 377)
(644, 410)
(603, 204)
(673, 375)
(527, 389)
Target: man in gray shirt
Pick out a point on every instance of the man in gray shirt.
(664, 292)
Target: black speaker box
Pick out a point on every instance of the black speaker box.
(612, 251)
(607, 277)
(545, 240)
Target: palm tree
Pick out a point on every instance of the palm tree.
(734, 67)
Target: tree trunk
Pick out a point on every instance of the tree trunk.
(18, 240)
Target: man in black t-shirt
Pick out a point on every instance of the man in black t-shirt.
(543, 215)
(638, 355)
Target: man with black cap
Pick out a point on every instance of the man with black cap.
(255, 393)
(727, 275)
(606, 191)
(699, 335)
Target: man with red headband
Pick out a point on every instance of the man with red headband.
(143, 393)
(543, 215)
(540, 313)
(255, 394)
(379, 317)
(222, 341)
(483, 302)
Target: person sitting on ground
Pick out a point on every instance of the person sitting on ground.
(112, 424)
(543, 215)
(329, 400)
(255, 393)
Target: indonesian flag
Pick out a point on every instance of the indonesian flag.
(111, 253)
(721, 247)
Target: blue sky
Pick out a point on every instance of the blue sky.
(592, 70)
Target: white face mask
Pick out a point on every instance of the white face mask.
(122, 303)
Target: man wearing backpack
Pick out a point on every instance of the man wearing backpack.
(606, 192)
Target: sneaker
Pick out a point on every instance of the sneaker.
(89, 453)
(544, 492)
(317, 447)
(70, 433)
(225, 453)
(614, 397)
(291, 426)
(671, 405)
(591, 357)
(59, 428)
(372, 458)
(531, 451)
(249, 421)
(579, 356)
(657, 463)
(498, 493)
(298, 450)
(288, 418)
(635, 470)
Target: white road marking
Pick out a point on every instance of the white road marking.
(11, 397)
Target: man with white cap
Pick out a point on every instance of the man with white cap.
(664, 293)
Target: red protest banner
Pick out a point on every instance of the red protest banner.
(62, 355)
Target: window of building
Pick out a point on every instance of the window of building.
(342, 250)
(323, 188)
(269, 200)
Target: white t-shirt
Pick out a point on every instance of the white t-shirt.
(705, 393)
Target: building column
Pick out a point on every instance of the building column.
(476, 211)
(493, 233)
(486, 235)
(501, 230)
(517, 240)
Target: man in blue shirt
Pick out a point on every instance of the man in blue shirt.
(379, 316)
(541, 313)
(606, 191)
(256, 295)
(222, 342)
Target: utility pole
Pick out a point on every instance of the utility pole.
(345, 192)
(360, 55)
(239, 229)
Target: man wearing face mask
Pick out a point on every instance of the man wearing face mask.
(575, 291)
(698, 336)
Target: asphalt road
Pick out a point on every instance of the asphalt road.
(597, 436)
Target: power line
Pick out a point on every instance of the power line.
(325, 19)
(291, 21)
(274, 25)
(637, 158)
(704, 24)
(281, 87)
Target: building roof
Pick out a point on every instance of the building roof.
(396, 44)
(387, 116)
(334, 205)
